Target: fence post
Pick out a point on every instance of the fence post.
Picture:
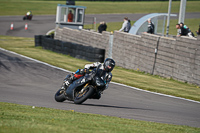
(95, 23)
(110, 45)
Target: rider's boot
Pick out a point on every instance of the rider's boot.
(70, 78)
(68, 81)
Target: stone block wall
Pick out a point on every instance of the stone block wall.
(165, 57)
(84, 37)
(177, 58)
(134, 52)
(187, 59)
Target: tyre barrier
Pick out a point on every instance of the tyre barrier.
(75, 50)
(38, 40)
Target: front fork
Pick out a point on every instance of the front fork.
(82, 90)
(63, 87)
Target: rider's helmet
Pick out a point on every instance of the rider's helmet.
(109, 64)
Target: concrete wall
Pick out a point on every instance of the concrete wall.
(177, 58)
(84, 37)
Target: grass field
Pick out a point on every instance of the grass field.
(39, 7)
(191, 23)
(27, 119)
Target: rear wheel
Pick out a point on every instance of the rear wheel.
(82, 95)
(60, 96)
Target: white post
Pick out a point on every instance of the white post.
(182, 11)
(110, 45)
(168, 18)
(155, 25)
(163, 29)
(95, 23)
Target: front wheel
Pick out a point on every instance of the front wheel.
(83, 95)
(60, 96)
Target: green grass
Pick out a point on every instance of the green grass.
(39, 7)
(134, 78)
(111, 26)
(193, 24)
(16, 118)
(137, 7)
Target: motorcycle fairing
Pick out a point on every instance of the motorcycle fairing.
(77, 83)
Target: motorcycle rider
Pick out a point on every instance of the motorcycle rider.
(28, 16)
(104, 72)
(150, 26)
(29, 13)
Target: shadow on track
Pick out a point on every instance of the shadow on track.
(112, 106)
(106, 106)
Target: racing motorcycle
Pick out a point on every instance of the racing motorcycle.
(87, 87)
(27, 17)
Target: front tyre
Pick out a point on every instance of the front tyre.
(60, 96)
(83, 95)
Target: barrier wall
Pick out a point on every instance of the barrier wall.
(84, 37)
(174, 58)
(179, 59)
(73, 49)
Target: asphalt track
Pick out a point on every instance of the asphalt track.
(28, 82)
(41, 24)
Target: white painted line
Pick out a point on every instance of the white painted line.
(50, 32)
(111, 82)
(35, 60)
(156, 93)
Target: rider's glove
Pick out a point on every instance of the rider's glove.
(86, 70)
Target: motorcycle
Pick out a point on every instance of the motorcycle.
(86, 87)
(27, 17)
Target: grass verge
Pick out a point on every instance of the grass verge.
(16, 118)
(191, 23)
(38, 7)
(134, 78)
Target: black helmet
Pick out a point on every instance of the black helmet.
(109, 64)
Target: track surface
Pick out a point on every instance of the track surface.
(40, 25)
(27, 82)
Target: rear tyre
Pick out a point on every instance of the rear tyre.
(81, 97)
(60, 96)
